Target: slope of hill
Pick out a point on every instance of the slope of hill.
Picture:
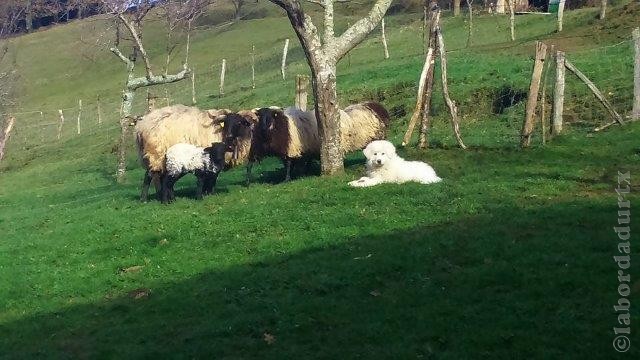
(511, 254)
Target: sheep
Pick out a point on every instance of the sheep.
(167, 126)
(204, 163)
(292, 134)
(289, 134)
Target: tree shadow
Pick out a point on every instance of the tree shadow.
(515, 280)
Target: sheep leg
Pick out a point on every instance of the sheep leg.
(248, 178)
(209, 184)
(199, 186)
(167, 189)
(288, 164)
(144, 195)
(156, 178)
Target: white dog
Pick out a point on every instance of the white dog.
(384, 166)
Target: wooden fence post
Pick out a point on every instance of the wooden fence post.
(283, 67)
(99, 112)
(302, 86)
(420, 98)
(253, 66)
(79, 114)
(534, 89)
(384, 40)
(560, 14)
(193, 87)
(222, 73)
(6, 133)
(558, 95)
(61, 123)
(636, 77)
(603, 9)
(543, 103)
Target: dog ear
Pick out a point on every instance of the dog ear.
(368, 151)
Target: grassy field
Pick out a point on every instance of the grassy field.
(510, 256)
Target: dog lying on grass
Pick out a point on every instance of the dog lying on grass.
(385, 166)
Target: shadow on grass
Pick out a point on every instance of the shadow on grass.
(533, 282)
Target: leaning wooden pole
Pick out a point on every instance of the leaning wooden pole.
(636, 77)
(534, 89)
(6, 133)
(614, 114)
(558, 95)
(453, 110)
(420, 98)
(425, 124)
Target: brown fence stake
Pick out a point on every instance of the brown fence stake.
(6, 133)
(420, 98)
(534, 89)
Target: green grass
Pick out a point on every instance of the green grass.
(510, 256)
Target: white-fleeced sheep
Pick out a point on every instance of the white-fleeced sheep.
(167, 126)
(204, 163)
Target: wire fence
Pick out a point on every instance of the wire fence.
(609, 67)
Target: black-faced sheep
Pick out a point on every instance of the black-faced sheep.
(292, 134)
(204, 163)
(167, 126)
(289, 134)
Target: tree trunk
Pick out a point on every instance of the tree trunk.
(456, 7)
(327, 113)
(29, 16)
(127, 104)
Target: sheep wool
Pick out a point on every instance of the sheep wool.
(303, 133)
(362, 123)
(186, 158)
(167, 126)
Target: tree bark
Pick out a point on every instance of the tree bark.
(125, 119)
(327, 113)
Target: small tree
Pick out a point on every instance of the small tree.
(132, 19)
(237, 9)
(322, 56)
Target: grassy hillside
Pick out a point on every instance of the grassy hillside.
(511, 254)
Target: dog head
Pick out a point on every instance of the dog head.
(379, 152)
